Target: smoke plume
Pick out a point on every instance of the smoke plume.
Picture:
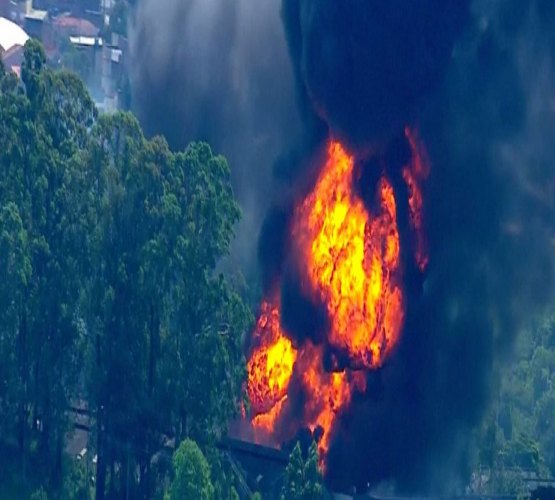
(477, 80)
(218, 71)
(368, 68)
(366, 65)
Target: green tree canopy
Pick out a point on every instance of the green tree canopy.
(192, 474)
(303, 479)
(43, 122)
(110, 294)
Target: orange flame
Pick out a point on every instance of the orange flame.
(328, 394)
(350, 259)
(271, 365)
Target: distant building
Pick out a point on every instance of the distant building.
(257, 468)
(70, 33)
(113, 72)
(18, 10)
(23, 13)
(35, 23)
(75, 26)
(13, 58)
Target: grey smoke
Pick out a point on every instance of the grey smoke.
(218, 70)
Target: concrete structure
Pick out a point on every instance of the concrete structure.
(35, 23)
(113, 72)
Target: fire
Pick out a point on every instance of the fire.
(266, 421)
(350, 260)
(271, 364)
(329, 392)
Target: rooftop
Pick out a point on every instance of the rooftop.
(36, 15)
(76, 26)
(86, 41)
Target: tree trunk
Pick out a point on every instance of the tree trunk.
(124, 474)
(152, 348)
(100, 462)
(57, 466)
(112, 465)
(22, 413)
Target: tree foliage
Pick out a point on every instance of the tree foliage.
(192, 474)
(303, 479)
(518, 435)
(109, 289)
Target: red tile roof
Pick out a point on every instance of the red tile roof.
(76, 26)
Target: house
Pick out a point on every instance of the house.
(35, 23)
(67, 26)
(13, 58)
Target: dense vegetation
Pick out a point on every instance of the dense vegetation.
(109, 297)
(518, 435)
(302, 477)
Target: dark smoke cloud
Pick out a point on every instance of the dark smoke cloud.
(367, 68)
(218, 70)
(490, 223)
(365, 65)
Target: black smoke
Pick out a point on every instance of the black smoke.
(460, 73)
(365, 65)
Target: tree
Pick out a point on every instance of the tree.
(303, 480)
(192, 474)
(75, 483)
(160, 222)
(39, 494)
(518, 433)
(294, 475)
(43, 122)
(33, 63)
(109, 288)
(313, 489)
(16, 273)
(205, 345)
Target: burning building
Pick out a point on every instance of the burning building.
(401, 251)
